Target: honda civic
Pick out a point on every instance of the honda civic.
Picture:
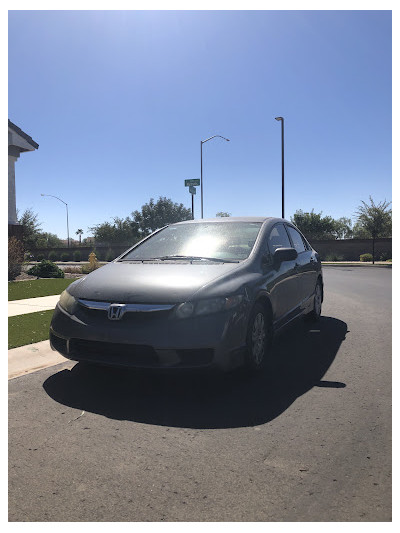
(207, 293)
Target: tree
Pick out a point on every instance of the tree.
(30, 228)
(156, 215)
(80, 233)
(375, 220)
(48, 240)
(15, 257)
(314, 226)
(223, 214)
(342, 228)
(121, 231)
(32, 237)
(359, 232)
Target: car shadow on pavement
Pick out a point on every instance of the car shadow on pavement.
(301, 355)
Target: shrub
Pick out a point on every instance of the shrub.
(93, 264)
(53, 256)
(77, 256)
(73, 270)
(334, 257)
(46, 269)
(365, 257)
(40, 257)
(65, 256)
(15, 257)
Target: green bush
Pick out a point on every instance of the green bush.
(40, 257)
(334, 257)
(365, 257)
(46, 269)
(53, 256)
(77, 255)
(65, 256)
(15, 257)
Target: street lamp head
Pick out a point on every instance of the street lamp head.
(278, 118)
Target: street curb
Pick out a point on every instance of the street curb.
(32, 358)
(368, 265)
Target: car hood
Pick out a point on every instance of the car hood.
(150, 282)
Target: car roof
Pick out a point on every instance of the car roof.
(230, 219)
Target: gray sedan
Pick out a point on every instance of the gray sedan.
(200, 293)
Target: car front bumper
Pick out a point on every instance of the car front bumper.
(151, 340)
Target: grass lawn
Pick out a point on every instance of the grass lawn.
(29, 328)
(19, 290)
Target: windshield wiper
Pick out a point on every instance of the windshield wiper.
(181, 257)
(196, 258)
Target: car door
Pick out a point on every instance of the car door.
(307, 274)
(282, 287)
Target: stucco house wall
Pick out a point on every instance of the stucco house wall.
(18, 142)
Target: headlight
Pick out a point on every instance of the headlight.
(67, 302)
(209, 306)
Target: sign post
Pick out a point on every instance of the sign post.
(192, 189)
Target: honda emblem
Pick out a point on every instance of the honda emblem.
(116, 311)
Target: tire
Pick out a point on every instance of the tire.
(316, 312)
(259, 338)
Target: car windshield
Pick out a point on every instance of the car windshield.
(218, 241)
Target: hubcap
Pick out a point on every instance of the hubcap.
(317, 300)
(258, 338)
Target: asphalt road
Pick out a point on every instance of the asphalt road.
(308, 441)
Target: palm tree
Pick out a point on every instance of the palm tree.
(80, 233)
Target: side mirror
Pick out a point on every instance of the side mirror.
(284, 254)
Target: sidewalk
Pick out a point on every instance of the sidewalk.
(32, 305)
(32, 357)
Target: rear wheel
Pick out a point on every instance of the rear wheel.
(316, 312)
(259, 337)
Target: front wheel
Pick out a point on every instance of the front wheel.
(259, 337)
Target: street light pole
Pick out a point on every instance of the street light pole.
(66, 205)
(201, 166)
(281, 120)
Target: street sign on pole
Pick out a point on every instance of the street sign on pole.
(192, 189)
(189, 183)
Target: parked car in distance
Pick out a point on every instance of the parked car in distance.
(200, 293)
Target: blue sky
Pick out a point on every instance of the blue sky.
(120, 100)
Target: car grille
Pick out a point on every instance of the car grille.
(114, 353)
(128, 354)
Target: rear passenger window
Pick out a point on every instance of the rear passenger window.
(297, 239)
(278, 238)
